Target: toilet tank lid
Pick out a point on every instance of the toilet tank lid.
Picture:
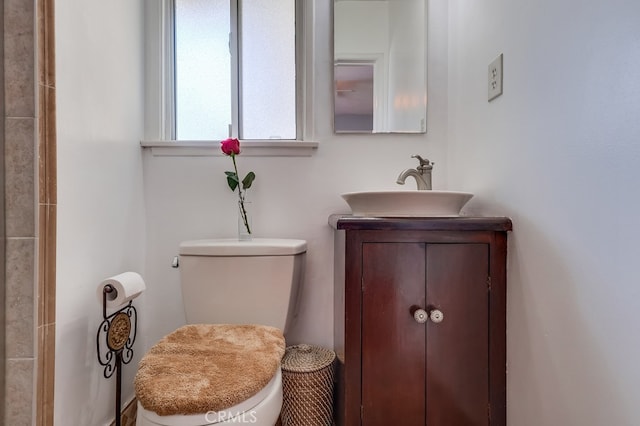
(234, 247)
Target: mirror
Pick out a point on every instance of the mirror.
(380, 66)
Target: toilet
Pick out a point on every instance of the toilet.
(223, 366)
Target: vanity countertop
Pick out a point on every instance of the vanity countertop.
(458, 223)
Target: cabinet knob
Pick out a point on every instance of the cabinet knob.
(420, 315)
(436, 316)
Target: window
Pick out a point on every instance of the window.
(234, 69)
(220, 68)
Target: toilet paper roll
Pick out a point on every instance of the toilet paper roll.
(128, 286)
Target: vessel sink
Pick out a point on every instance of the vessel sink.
(406, 203)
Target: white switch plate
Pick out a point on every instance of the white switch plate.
(495, 78)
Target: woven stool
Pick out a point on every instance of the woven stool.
(307, 383)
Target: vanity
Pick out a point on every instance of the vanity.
(420, 320)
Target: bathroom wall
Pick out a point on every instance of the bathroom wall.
(188, 198)
(20, 186)
(2, 227)
(559, 153)
(100, 198)
(107, 223)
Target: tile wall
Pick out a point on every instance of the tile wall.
(2, 230)
(47, 209)
(19, 196)
(29, 165)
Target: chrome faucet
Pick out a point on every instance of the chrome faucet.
(422, 174)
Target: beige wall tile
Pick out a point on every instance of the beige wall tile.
(19, 397)
(42, 50)
(51, 143)
(19, 297)
(47, 145)
(19, 177)
(46, 39)
(19, 54)
(47, 179)
(46, 265)
(2, 337)
(45, 379)
(42, 147)
(20, 182)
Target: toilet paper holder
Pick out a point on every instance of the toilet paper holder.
(114, 341)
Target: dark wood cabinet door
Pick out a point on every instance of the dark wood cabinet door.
(432, 373)
(457, 359)
(393, 343)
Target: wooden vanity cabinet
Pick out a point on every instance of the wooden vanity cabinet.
(420, 333)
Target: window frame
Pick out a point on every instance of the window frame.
(159, 127)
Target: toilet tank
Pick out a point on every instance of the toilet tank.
(241, 282)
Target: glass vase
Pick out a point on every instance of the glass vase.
(245, 228)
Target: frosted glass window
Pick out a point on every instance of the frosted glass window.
(206, 88)
(202, 69)
(268, 101)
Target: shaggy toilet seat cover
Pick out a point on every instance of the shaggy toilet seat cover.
(204, 367)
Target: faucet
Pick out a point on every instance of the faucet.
(422, 174)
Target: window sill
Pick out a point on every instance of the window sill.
(253, 148)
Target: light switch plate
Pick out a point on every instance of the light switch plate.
(495, 78)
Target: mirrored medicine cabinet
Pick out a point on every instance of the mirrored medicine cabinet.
(380, 66)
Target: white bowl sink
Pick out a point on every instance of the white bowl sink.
(406, 203)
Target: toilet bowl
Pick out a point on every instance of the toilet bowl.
(226, 285)
(262, 409)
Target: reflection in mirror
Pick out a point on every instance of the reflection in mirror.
(380, 78)
(354, 96)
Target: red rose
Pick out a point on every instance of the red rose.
(230, 146)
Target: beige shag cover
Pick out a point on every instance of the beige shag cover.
(202, 367)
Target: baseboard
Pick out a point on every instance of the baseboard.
(128, 414)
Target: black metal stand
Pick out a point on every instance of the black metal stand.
(114, 341)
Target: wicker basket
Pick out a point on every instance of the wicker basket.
(307, 382)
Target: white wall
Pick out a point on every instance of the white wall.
(559, 153)
(100, 202)
(407, 62)
(188, 198)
